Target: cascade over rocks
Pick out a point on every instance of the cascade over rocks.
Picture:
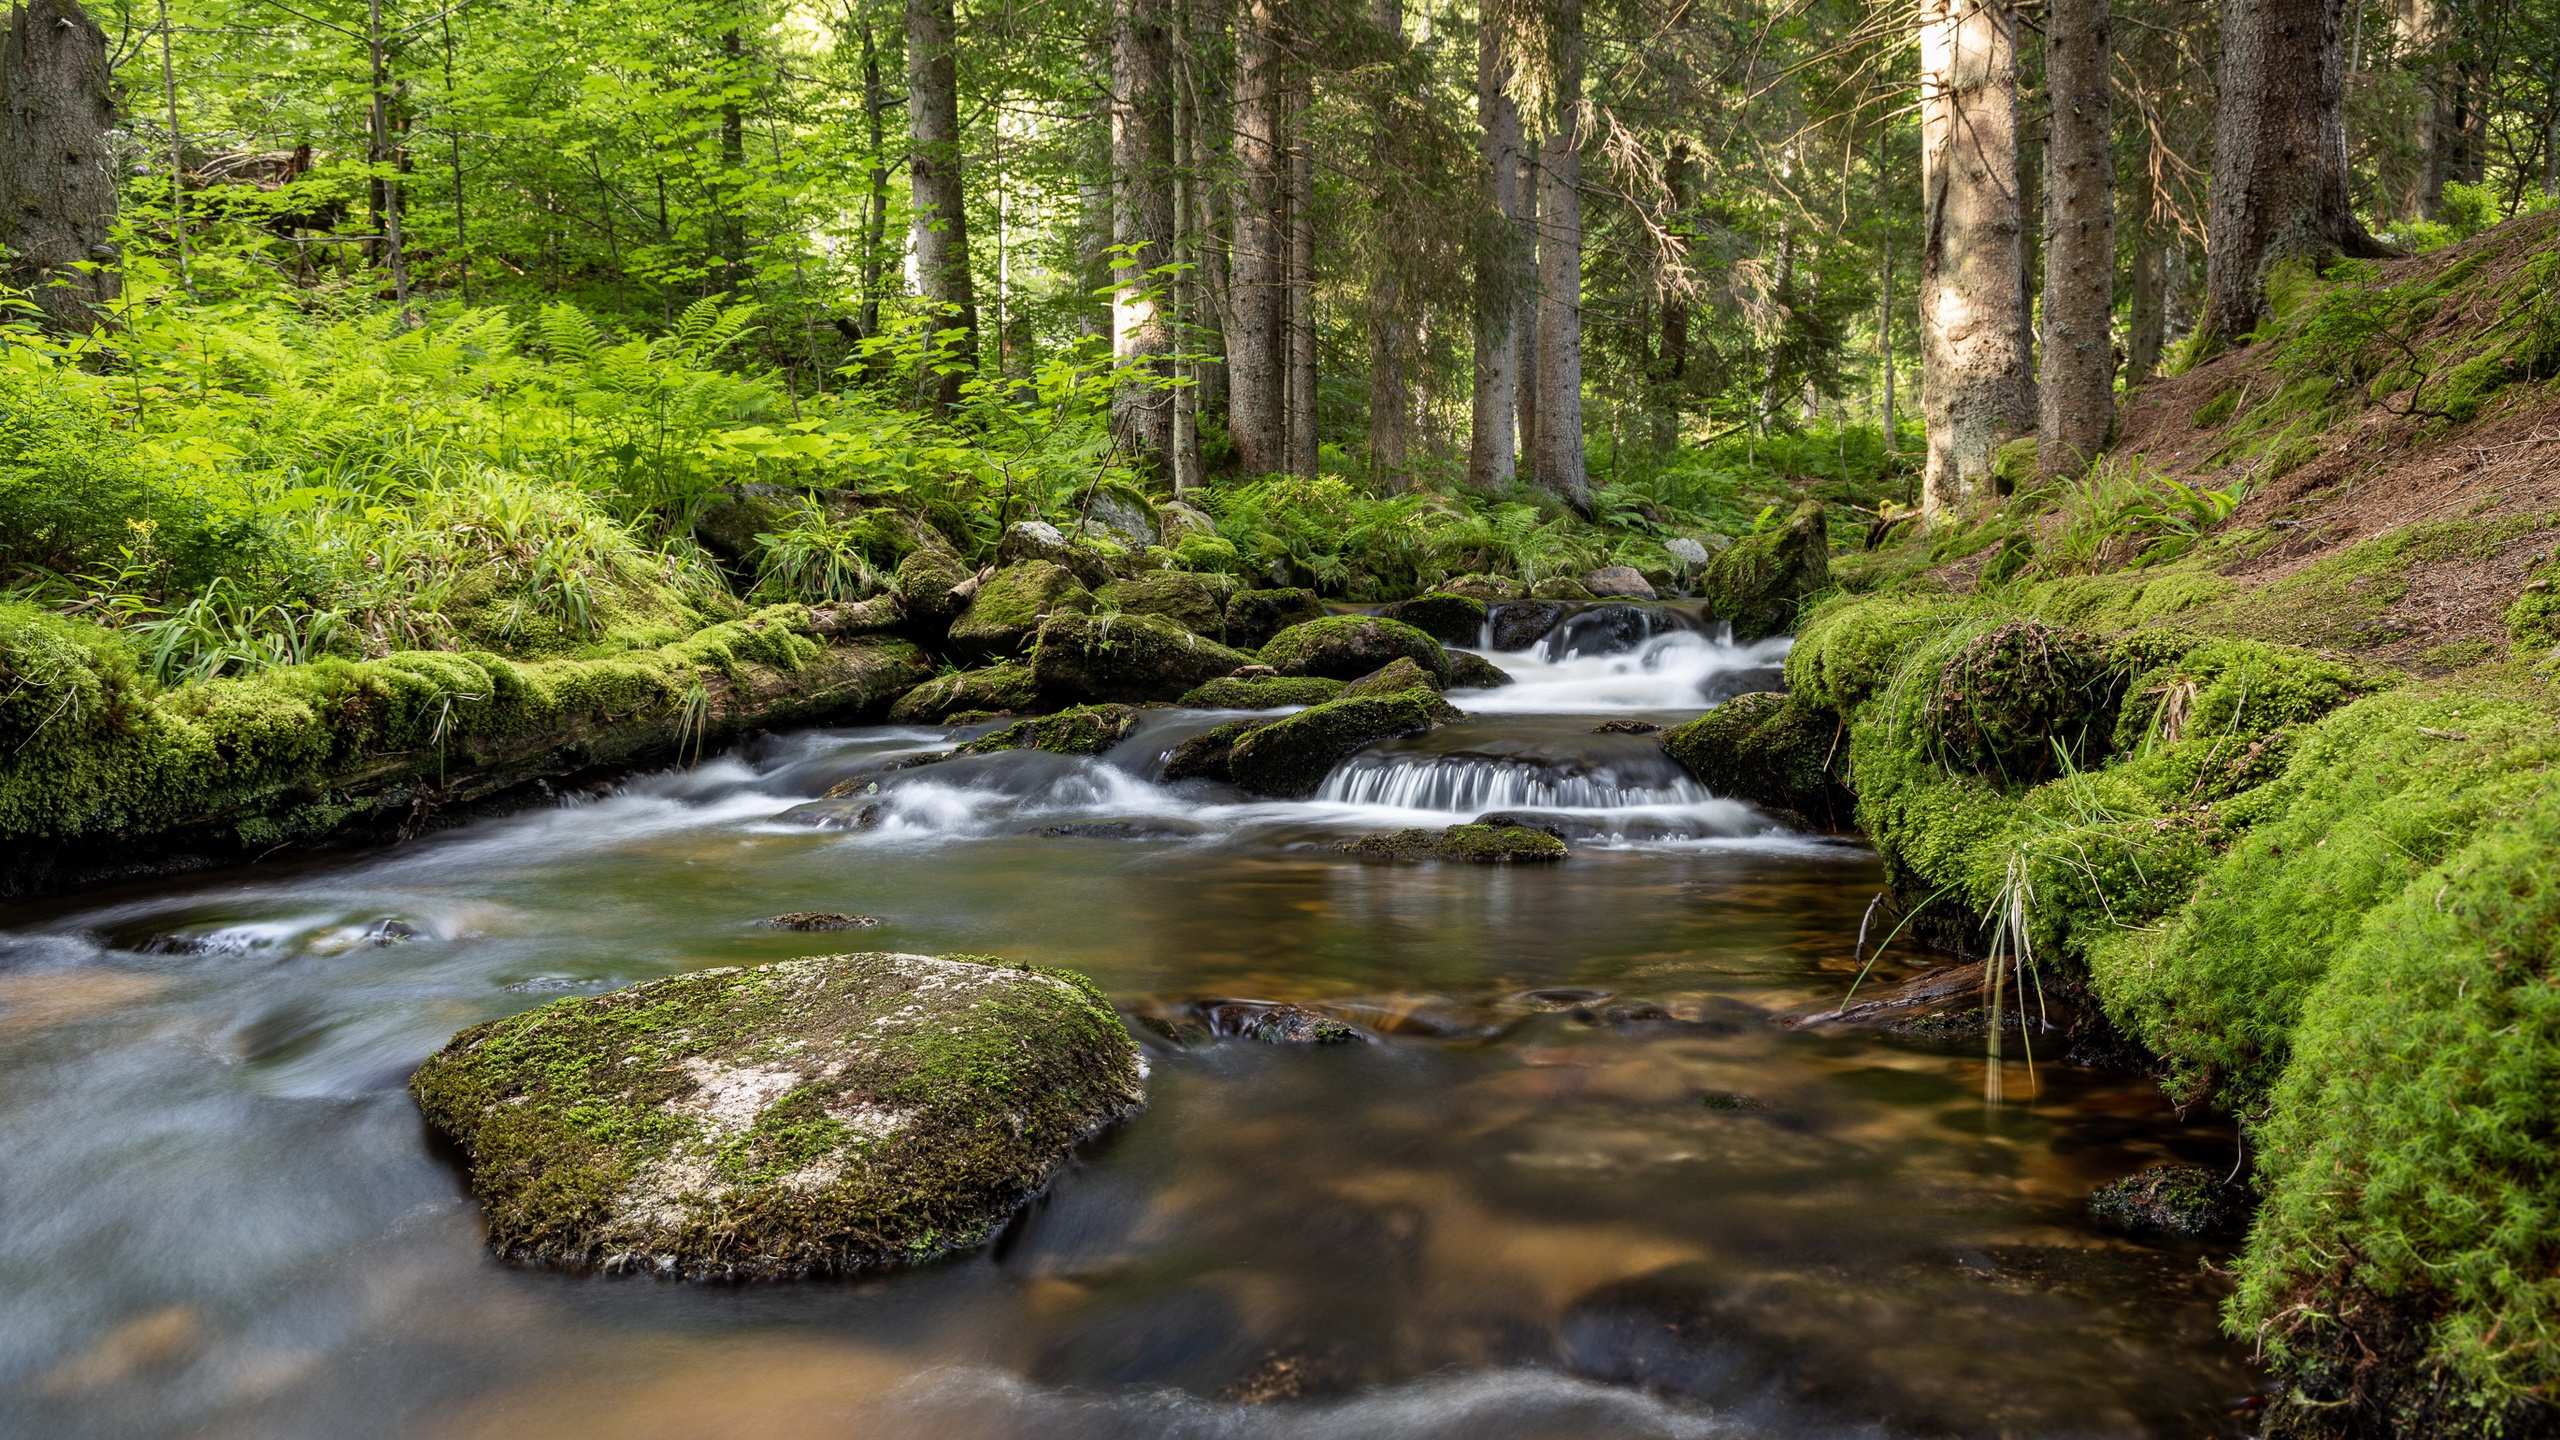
(1346, 647)
(1755, 585)
(1130, 658)
(810, 1117)
(1008, 607)
(1254, 616)
(1289, 758)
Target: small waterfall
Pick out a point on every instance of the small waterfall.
(1469, 784)
(1677, 669)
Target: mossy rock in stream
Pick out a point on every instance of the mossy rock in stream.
(1480, 844)
(1289, 758)
(1346, 647)
(1125, 657)
(993, 688)
(1261, 692)
(1393, 678)
(1007, 610)
(810, 1117)
(1772, 749)
(1470, 671)
(1254, 616)
(1084, 730)
(2172, 1199)
(1449, 619)
(1205, 756)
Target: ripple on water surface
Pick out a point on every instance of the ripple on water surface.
(1581, 1188)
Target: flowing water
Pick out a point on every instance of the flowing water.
(1580, 1186)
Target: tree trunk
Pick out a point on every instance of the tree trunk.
(1256, 347)
(2076, 394)
(934, 190)
(1492, 436)
(1390, 328)
(1671, 302)
(1203, 82)
(1094, 206)
(733, 163)
(1302, 283)
(2146, 329)
(57, 182)
(1559, 452)
(1142, 229)
(1973, 371)
(2279, 160)
(875, 195)
(1524, 390)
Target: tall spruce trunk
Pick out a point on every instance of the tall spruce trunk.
(1256, 340)
(1142, 229)
(2147, 320)
(1973, 368)
(1390, 328)
(2076, 392)
(1559, 451)
(1202, 72)
(1500, 279)
(875, 192)
(1524, 390)
(1302, 282)
(2279, 160)
(934, 190)
(57, 178)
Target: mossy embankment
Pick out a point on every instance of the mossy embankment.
(2270, 782)
(106, 773)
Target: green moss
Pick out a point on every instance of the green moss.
(1773, 750)
(1132, 658)
(1346, 647)
(2013, 465)
(2533, 618)
(996, 688)
(1083, 730)
(1449, 619)
(1758, 582)
(1007, 610)
(2218, 409)
(1397, 675)
(1205, 756)
(1289, 758)
(1476, 844)
(1262, 692)
(1195, 602)
(1254, 616)
(808, 1117)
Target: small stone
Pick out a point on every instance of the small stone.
(1619, 581)
(819, 920)
(1624, 727)
(1480, 844)
(1275, 1023)
(2172, 1199)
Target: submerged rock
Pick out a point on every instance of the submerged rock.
(1125, 657)
(1448, 618)
(1755, 585)
(1007, 610)
(1346, 647)
(1262, 692)
(1625, 727)
(819, 920)
(1274, 1023)
(1289, 758)
(810, 1117)
(1482, 844)
(992, 690)
(1254, 616)
(1195, 602)
(1083, 730)
(1205, 756)
(2173, 1199)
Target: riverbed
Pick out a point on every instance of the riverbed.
(1577, 1182)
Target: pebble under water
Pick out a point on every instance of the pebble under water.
(1579, 1186)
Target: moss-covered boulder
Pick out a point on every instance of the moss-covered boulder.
(1005, 613)
(1757, 583)
(2015, 702)
(1083, 730)
(1346, 647)
(1032, 540)
(1289, 758)
(1254, 616)
(810, 1117)
(1397, 675)
(997, 688)
(1469, 671)
(1204, 756)
(1195, 602)
(1773, 750)
(1484, 587)
(934, 582)
(1561, 587)
(1262, 692)
(2172, 1199)
(1477, 844)
(1130, 658)
(1180, 520)
(1445, 617)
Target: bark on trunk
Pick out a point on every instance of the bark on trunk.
(1973, 371)
(1390, 329)
(2147, 327)
(875, 195)
(1256, 344)
(733, 165)
(1302, 284)
(1492, 436)
(933, 185)
(2279, 159)
(1142, 229)
(1671, 300)
(1559, 452)
(57, 184)
(2077, 390)
(1524, 390)
(1203, 75)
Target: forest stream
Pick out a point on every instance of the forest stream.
(1576, 1184)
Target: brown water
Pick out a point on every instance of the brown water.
(220, 1215)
